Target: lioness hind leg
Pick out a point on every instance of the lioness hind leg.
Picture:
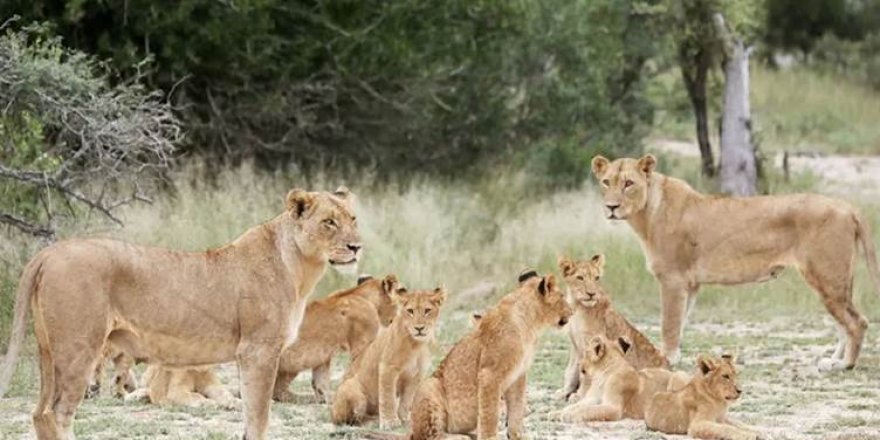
(836, 295)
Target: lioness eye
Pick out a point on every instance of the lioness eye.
(427, 311)
(726, 376)
(410, 311)
(596, 278)
(606, 182)
(628, 183)
(330, 222)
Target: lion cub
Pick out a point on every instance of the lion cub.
(384, 377)
(700, 408)
(185, 387)
(489, 363)
(616, 390)
(594, 316)
(347, 320)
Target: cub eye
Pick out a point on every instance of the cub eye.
(580, 277)
(583, 371)
(427, 311)
(726, 376)
(596, 278)
(606, 182)
(628, 183)
(330, 222)
(410, 311)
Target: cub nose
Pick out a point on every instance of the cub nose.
(420, 329)
(612, 206)
(738, 391)
(354, 247)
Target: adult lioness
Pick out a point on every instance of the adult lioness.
(347, 320)
(617, 390)
(489, 363)
(383, 378)
(594, 316)
(699, 409)
(691, 239)
(243, 302)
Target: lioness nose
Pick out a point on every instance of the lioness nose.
(420, 328)
(355, 247)
(612, 206)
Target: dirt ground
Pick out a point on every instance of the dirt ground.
(785, 396)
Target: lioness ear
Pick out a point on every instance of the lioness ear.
(390, 284)
(363, 278)
(526, 274)
(565, 265)
(598, 261)
(599, 164)
(624, 343)
(343, 193)
(299, 201)
(647, 164)
(439, 296)
(547, 284)
(705, 364)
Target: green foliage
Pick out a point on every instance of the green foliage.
(404, 85)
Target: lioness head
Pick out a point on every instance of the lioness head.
(720, 376)
(418, 311)
(325, 227)
(550, 306)
(385, 290)
(601, 352)
(624, 184)
(582, 280)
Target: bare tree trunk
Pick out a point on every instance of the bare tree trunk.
(738, 171)
(695, 83)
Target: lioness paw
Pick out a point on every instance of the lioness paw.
(831, 364)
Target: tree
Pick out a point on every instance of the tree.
(70, 143)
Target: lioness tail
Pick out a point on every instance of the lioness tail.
(19, 321)
(863, 233)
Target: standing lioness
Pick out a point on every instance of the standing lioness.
(690, 239)
(243, 302)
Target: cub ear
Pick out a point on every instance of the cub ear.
(624, 343)
(705, 364)
(299, 201)
(598, 261)
(647, 164)
(599, 164)
(526, 274)
(547, 284)
(729, 358)
(390, 284)
(363, 278)
(476, 317)
(565, 265)
(343, 193)
(439, 296)
(597, 345)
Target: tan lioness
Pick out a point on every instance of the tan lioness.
(345, 321)
(594, 316)
(691, 239)
(383, 379)
(700, 408)
(192, 387)
(616, 390)
(489, 363)
(242, 302)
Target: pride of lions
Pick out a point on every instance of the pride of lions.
(96, 300)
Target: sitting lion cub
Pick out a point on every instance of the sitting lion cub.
(489, 363)
(384, 377)
(616, 390)
(347, 320)
(700, 408)
(594, 316)
(185, 387)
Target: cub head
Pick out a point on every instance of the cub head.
(624, 184)
(582, 280)
(719, 375)
(325, 227)
(544, 296)
(417, 312)
(601, 352)
(384, 291)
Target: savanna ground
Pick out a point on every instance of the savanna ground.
(476, 237)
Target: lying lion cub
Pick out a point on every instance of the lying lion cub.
(616, 390)
(383, 379)
(347, 320)
(490, 363)
(700, 408)
(184, 387)
(594, 316)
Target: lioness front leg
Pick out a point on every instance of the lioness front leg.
(488, 394)
(387, 397)
(707, 430)
(674, 298)
(257, 366)
(515, 400)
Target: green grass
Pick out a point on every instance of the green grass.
(795, 110)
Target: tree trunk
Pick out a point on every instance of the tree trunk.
(695, 83)
(737, 167)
